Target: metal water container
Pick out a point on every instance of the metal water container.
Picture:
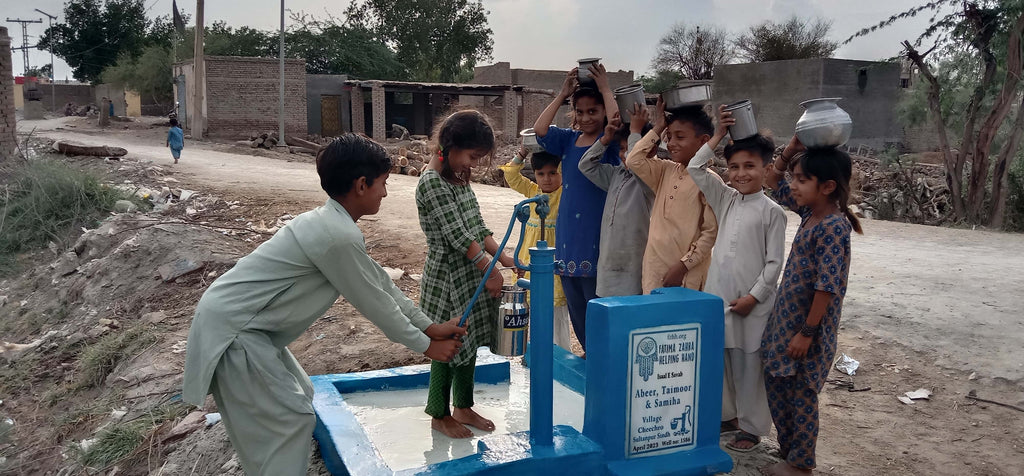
(513, 323)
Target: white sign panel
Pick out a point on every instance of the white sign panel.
(662, 389)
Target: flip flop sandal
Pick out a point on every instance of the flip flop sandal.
(728, 427)
(744, 436)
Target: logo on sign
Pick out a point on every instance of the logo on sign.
(646, 355)
(516, 321)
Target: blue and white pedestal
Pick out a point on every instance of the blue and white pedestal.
(654, 383)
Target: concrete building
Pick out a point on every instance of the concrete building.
(870, 91)
(376, 105)
(241, 95)
(539, 85)
(328, 104)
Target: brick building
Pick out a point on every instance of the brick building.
(8, 136)
(241, 95)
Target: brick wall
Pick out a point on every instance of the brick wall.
(358, 109)
(8, 138)
(377, 99)
(242, 95)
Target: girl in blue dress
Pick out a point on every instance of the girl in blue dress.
(799, 342)
(578, 226)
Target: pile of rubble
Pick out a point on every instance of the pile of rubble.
(914, 193)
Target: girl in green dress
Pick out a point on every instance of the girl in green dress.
(458, 244)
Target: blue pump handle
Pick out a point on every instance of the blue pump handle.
(522, 213)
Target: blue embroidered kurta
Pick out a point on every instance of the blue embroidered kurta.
(578, 227)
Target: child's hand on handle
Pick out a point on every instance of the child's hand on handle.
(638, 117)
(743, 305)
(798, 346)
(446, 330)
(569, 85)
(600, 76)
(610, 129)
(674, 276)
(443, 350)
(725, 120)
(494, 284)
(794, 147)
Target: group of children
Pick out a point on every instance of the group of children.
(626, 222)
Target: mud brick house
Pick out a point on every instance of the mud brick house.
(241, 95)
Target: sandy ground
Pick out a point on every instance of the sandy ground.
(926, 307)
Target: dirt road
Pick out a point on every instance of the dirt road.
(949, 292)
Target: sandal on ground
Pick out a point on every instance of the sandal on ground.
(744, 436)
(728, 427)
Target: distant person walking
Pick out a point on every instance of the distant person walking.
(175, 139)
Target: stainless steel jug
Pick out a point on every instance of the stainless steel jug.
(513, 323)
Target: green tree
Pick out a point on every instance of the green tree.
(149, 74)
(976, 48)
(797, 38)
(40, 72)
(331, 47)
(661, 81)
(435, 39)
(95, 34)
(693, 51)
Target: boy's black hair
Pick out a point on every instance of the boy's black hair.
(542, 159)
(696, 116)
(830, 163)
(174, 122)
(756, 144)
(347, 158)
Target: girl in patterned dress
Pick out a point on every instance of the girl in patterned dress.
(456, 244)
(799, 342)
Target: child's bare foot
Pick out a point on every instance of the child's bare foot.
(783, 468)
(472, 418)
(450, 427)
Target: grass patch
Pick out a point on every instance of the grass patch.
(113, 443)
(99, 359)
(47, 200)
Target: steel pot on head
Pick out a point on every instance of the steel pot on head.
(746, 125)
(530, 141)
(695, 95)
(824, 123)
(627, 97)
(583, 72)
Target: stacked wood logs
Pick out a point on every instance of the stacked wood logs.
(264, 140)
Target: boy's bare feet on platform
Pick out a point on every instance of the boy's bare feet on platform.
(450, 427)
(783, 468)
(469, 417)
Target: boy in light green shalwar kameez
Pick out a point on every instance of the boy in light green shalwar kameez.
(236, 345)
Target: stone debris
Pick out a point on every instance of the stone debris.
(13, 351)
(178, 268)
(919, 394)
(154, 317)
(394, 273)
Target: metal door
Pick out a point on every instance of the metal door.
(330, 116)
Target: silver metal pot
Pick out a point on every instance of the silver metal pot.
(695, 95)
(583, 72)
(513, 322)
(627, 97)
(824, 123)
(530, 141)
(746, 125)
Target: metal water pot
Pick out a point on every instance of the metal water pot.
(513, 323)
(530, 141)
(627, 97)
(824, 123)
(746, 125)
(583, 72)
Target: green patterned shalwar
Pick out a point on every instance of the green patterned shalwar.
(450, 217)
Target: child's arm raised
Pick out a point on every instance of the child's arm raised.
(591, 166)
(514, 175)
(649, 169)
(778, 169)
(600, 75)
(710, 183)
(540, 126)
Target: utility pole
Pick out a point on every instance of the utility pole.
(24, 38)
(280, 98)
(199, 82)
(53, 87)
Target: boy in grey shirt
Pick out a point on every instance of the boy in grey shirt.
(627, 208)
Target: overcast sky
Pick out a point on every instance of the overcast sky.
(552, 34)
